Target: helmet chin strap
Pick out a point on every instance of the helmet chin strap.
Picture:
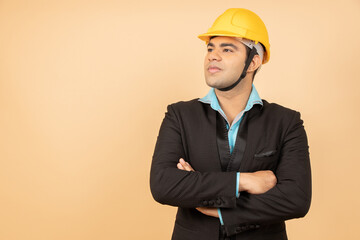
(252, 53)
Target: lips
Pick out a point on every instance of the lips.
(214, 69)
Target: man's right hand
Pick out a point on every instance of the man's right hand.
(257, 182)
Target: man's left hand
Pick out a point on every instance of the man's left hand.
(182, 165)
(212, 212)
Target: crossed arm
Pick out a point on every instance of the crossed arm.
(268, 199)
(254, 183)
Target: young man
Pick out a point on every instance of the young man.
(235, 165)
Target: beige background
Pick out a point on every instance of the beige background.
(84, 86)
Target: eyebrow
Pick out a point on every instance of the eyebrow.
(223, 45)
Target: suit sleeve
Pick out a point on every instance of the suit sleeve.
(290, 198)
(175, 187)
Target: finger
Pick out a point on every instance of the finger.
(203, 211)
(188, 167)
(199, 209)
(184, 165)
(182, 161)
(179, 166)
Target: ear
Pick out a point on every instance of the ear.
(255, 63)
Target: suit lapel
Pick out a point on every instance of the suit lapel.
(218, 146)
(212, 141)
(233, 162)
(240, 146)
(248, 137)
(222, 142)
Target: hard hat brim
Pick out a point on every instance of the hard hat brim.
(206, 37)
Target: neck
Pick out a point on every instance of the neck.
(234, 101)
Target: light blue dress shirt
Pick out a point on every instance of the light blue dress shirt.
(233, 128)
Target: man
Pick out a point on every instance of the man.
(235, 165)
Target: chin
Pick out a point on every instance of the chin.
(210, 84)
(215, 83)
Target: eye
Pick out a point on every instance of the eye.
(209, 49)
(228, 50)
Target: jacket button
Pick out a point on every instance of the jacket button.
(257, 226)
(218, 202)
(211, 203)
(205, 203)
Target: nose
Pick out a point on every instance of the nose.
(214, 56)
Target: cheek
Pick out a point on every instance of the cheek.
(206, 60)
(206, 63)
(237, 66)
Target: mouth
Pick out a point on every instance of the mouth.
(213, 69)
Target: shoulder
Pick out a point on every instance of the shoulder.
(277, 110)
(280, 114)
(186, 106)
(192, 110)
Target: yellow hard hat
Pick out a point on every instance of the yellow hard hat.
(243, 23)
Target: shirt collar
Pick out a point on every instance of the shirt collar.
(211, 99)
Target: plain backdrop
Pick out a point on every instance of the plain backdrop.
(84, 86)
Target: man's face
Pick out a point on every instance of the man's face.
(224, 61)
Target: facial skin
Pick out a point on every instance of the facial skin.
(224, 61)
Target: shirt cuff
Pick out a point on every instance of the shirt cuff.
(220, 217)
(237, 184)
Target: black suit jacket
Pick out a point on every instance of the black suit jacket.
(270, 137)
